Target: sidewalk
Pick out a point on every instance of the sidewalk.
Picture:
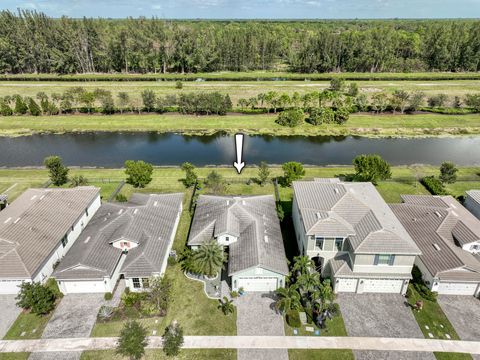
(252, 342)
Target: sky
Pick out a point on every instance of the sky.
(253, 9)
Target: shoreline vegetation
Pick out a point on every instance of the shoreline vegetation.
(365, 125)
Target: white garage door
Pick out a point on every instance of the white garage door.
(346, 285)
(9, 287)
(80, 287)
(383, 286)
(447, 288)
(258, 283)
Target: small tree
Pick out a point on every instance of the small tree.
(263, 173)
(149, 99)
(226, 306)
(371, 168)
(58, 172)
(160, 289)
(179, 85)
(21, 107)
(416, 100)
(321, 115)
(36, 297)
(292, 171)
(437, 101)
(172, 339)
(337, 84)
(473, 101)
(353, 89)
(341, 115)
(123, 101)
(78, 180)
(379, 102)
(448, 172)
(132, 341)
(139, 173)
(33, 108)
(190, 175)
(290, 118)
(209, 258)
(215, 183)
(400, 100)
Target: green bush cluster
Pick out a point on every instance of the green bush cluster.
(108, 296)
(425, 292)
(434, 185)
(293, 319)
(37, 298)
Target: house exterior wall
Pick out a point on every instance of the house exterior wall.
(299, 228)
(427, 276)
(172, 238)
(472, 206)
(257, 272)
(365, 263)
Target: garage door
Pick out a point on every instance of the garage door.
(346, 285)
(9, 287)
(447, 288)
(382, 286)
(258, 283)
(79, 287)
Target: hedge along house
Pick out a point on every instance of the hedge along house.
(448, 236)
(353, 236)
(131, 239)
(38, 229)
(250, 230)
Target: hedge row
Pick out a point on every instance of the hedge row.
(433, 185)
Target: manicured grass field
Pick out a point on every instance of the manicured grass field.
(30, 325)
(185, 354)
(14, 356)
(359, 124)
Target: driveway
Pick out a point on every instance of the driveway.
(256, 315)
(9, 313)
(380, 315)
(464, 314)
(74, 317)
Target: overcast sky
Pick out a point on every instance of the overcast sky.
(243, 9)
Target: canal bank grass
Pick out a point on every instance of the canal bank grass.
(370, 125)
(185, 354)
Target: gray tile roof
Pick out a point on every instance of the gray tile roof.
(353, 210)
(32, 227)
(254, 219)
(475, 195)
(148, 220)
(436, 223)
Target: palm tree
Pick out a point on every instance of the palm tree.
(302, 265)
(288, 299)
(226, 306)
(209, 258)
(308, 283)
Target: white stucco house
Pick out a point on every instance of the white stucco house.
(249, 229)
(131, 240)
(353, 236)
(472, 202)
(449, 237)
(38, 229)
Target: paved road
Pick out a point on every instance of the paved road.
(8, 314)
(253, 342)
(380, 315)
(256, 315)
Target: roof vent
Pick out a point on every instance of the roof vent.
(135, 211)
(33, 197)
(228, 202)
(41, 197)
(435, 245)
(155, 203)
(87, 240)
(318, 215)
(454, 213)
(244, 202)
(453, 206)
(438, 214)
(120, 211)
(6, 221)
(16, 221)
(265, 238)
(336, 190)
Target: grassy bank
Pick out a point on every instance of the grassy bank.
(361, 125)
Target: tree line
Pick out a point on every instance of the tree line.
(32, 42)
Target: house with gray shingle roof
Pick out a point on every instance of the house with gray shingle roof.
(250, 229)
(353, 236)
(472, 202)
(449, 237)
(132, 240)
(38, 229)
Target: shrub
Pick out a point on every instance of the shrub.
(337, 84)
(57, 171)
(371, 168)
(172, 339)
(105, 312)
(132, 341)
(333, 309)
(417, 277)
(179, 85)
(318, 116)
(293, 319)
(341, 115)
(233, 294)
(53, 286)
(21, 107)
(448, 172)
(37, 298)
(425, 292)
(108, 296)
(139, 173)
(149, 100)
(131, 299)
(473, 101)
(437, 100)
(292, 171)
(78, 180)
(5, 110)
(171, 261)
(33, 108)
(290, 118)
(433, 185)
(121, 198)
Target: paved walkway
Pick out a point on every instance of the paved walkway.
(252, 342)
(256, 315)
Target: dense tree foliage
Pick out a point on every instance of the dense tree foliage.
(139, 173)
(37, 298)
(371, 168)
(31, 42)
(57, 171)
(132, 341)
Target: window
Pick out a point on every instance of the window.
(227, 238)
(383, 259)
(86, 211)
(64, 241)
(338, 244)
(319, 243)
(136, 283)
(145, 283)
(475, 247)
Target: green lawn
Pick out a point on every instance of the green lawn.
(361, 125)
(186, 354)
(30, 324)
(14, 356)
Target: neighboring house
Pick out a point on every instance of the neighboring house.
(353, 236)
(37, 230)
(472, 202)
(131, 239)
(250, 229)
(448, 236)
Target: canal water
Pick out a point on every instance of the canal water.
(112, 149)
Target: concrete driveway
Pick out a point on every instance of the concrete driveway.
(464, 314)
(256, 315)
(380, 315)
(74, 317)
(9, 313)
